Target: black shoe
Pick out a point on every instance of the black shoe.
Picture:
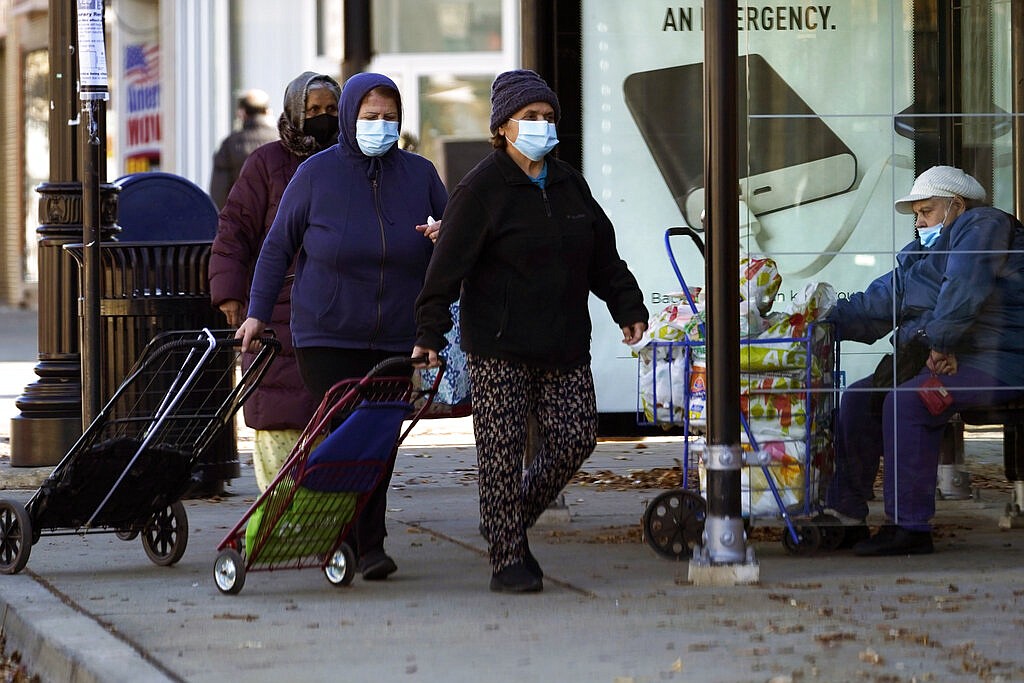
(376, 566)
(895, 540)
(528, 559)
(516, 578)
(852, 535)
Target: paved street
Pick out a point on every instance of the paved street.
(94, 608)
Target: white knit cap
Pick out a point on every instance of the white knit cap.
(941, 181)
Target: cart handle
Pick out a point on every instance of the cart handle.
(689, 232)
(699, 243)
(398, 363)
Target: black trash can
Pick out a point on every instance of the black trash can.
(148, 288)
(154, 279)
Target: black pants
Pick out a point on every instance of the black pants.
(322, 368)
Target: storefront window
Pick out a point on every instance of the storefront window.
(454, 116)
(437, 26)
(841, 105)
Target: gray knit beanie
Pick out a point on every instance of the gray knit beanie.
(513, 90)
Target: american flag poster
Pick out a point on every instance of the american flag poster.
(142, 93)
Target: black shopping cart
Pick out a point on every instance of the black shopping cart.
(304, 516)
(130, 469)
(787, 404)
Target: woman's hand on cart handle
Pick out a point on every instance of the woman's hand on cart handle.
(633, 332)
(427, 357)
(249, 332)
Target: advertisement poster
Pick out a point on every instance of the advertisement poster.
(821, 163)
(142, 135)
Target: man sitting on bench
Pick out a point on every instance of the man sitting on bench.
(955, 307)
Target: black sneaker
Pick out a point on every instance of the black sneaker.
(895, 540)
(516, 578)
(376, 566)
(528, 559)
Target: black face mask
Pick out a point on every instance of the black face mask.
(323, 128)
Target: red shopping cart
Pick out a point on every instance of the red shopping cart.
(304, 516)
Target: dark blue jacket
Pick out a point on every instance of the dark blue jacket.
(964, 294)
(352, 221)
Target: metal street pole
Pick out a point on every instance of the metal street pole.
(93, 92)
(723, 556)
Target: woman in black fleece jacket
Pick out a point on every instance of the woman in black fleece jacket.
(525, 243)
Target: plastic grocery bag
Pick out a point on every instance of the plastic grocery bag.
(759, 282)
(453, 398)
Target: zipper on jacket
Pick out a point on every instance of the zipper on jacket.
(383, 256)
(547, 205)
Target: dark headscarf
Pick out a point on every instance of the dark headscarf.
(292, 119)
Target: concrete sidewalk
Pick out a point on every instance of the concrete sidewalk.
(93, 608)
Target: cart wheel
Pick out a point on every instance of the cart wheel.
(674, 523)
(810, 539)
(341, 568)
(15, 532)
(831, 529)
(166, 535)
(127, 534)
(229, 571)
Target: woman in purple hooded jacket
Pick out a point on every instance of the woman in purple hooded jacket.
(281, 406)
(354, 219)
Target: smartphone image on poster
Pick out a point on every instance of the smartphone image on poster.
(793, 156)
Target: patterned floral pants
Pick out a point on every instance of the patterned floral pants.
(270, 449)
(504, 393)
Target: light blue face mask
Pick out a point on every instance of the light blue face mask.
(376, 137)
(535, 138)
(928, 236)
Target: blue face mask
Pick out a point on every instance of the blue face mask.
(376, 137)
(535, 138)
(928, 236)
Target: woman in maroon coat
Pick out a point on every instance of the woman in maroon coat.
(281, 406)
